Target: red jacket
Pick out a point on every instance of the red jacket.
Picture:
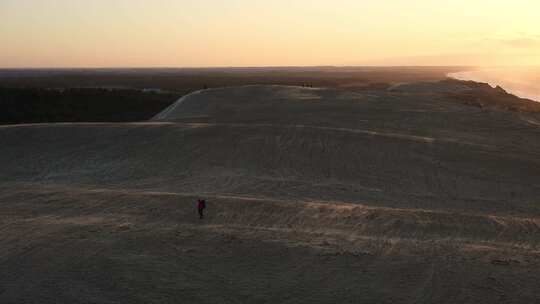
(201, 204)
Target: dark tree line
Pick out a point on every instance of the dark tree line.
(23, 105)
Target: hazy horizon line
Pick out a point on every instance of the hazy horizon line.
(245, 67)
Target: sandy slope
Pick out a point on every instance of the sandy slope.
(315, 195)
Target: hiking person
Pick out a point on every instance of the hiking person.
(201, 205)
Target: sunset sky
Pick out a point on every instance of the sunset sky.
(181, 33)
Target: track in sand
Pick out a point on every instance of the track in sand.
(315, 196)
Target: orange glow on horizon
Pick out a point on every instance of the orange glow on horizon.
(158, 33)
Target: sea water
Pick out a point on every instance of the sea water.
(520, 81)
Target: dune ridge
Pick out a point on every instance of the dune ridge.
(315, 196)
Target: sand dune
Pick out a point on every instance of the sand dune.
(315, 196)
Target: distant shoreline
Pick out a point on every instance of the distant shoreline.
(515, 81)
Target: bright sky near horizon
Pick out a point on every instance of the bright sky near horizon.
(181, 33)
